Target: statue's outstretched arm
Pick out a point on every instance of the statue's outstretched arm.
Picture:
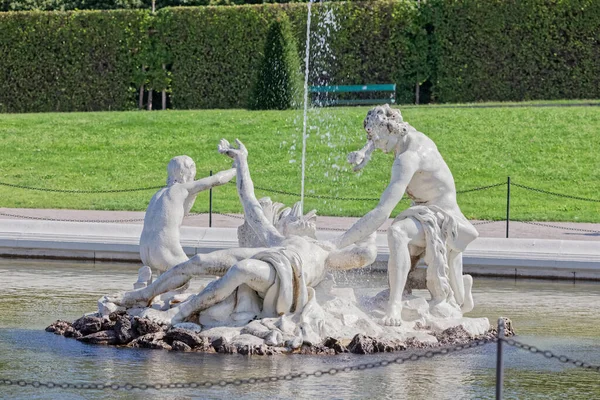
(218, 179)
(355, 256)
(405, 166)
(253, 211)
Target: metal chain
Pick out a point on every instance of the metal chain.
(559, 227)
(93, 220)
(81, 191)
(239, 382)
(555, 194)
(345, 229)
(229, 215)
(322, 197)
(72, 220)
(480, 188)
(484, 222)
(550, 355)
(315, 196)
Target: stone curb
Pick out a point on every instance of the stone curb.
(546, 258)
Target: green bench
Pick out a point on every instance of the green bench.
(385, 87)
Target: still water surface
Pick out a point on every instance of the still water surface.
(558, 316)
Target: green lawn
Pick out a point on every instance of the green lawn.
(550, 148)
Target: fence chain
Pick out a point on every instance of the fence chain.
(228, 215)
(72, 220)
(239, 382)
(94, 220)
(315, 196)
(323, 197)
(559, 227)
(484, 222)
(554, 194)
(548, 354)
(81, 191)
(481, 188)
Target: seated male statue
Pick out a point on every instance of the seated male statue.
(160, 247)
(433, 227)
(280, 272)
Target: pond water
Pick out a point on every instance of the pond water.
(558, 316)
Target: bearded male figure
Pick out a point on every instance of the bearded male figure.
(433, 227)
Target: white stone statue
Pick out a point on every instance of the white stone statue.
(279, 275)
(160, 247)
(433, 227)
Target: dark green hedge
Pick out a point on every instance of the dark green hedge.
(461, 50)
(216, 51)
(516, 49)
(79, 61)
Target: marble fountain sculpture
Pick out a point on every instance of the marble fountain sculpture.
(276, 293)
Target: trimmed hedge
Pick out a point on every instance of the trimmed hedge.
(215, 51)
(77, 61)
(279, 82)
(461, 50)
(516, 49)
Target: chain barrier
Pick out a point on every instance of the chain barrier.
(316, 374)
(315, 196)
(559, 227)
(555, 194)
(239, 382)
(81, 191)
(228, 215)
(484, 222)
(550, 355)
(72, 220)
(323, 197)
(480, 188)
(191, 215)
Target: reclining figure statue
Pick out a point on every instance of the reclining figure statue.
(433, 227)
(281, 273)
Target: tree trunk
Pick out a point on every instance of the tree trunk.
(141, 97)
(164, 92)
(417, 90)
(150, 99)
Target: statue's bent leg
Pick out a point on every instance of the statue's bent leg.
(215, 263)
(461, 284)
(404, 237)
(256, 274)
(456, 275)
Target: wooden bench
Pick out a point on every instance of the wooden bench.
(385, 87)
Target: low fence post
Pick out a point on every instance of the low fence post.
(500, 360)
(507, 204)
(210, 205)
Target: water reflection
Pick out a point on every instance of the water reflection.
(559, 316)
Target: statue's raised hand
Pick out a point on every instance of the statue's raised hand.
(226, 148)
(361, 157)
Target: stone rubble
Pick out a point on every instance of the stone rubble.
(120, 329)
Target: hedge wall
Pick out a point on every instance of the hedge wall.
(516, 49)
(216, 51)
(80, 61)
(463, 50)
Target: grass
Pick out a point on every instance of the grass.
(550, 148)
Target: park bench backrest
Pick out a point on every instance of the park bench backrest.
(379, 87)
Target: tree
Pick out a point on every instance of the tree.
(279, 82)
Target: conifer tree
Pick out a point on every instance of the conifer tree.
(279, 83)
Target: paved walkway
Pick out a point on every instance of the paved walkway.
(529, 230)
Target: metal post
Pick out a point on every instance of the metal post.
(507, 204)
(210, 205)
(500, 360)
